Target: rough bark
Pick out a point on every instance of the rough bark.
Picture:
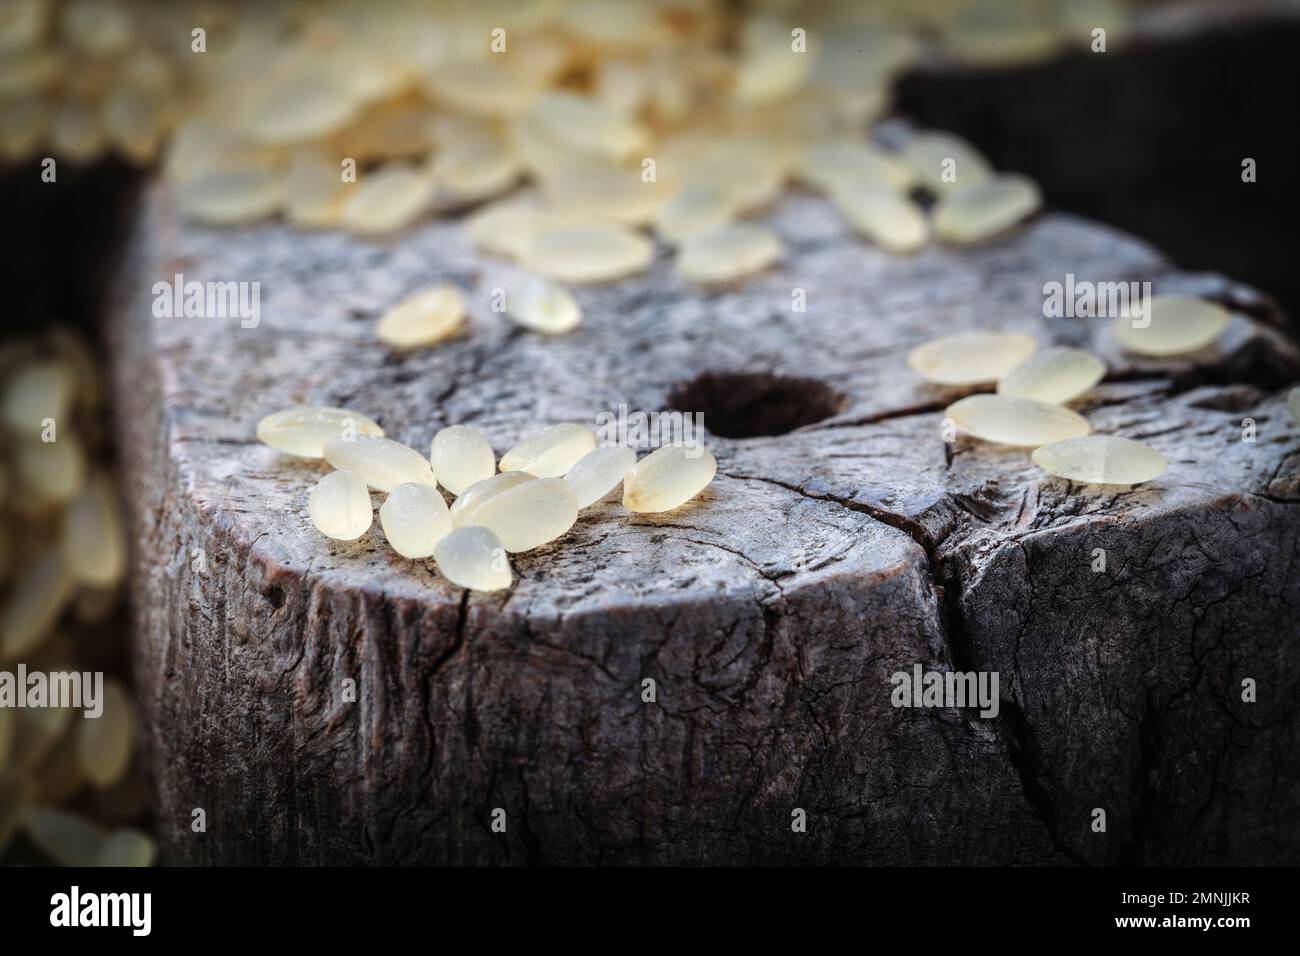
(771, 612)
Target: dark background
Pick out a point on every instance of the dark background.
(1151, 139)
(61, 241)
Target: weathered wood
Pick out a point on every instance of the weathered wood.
(770, 613)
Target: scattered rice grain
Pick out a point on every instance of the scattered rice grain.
(728, 252)
(304, 430)
(970, 358)
(551, 452)
(381, 463)
(423, 318)
(1006, 420)
(530, 514)
(1174, 325)
(461, 455)
(415, 518)
(972, 214)
(543, 307)
(599, 472)
(339, 506)
(668, 477)
(473, 557)
(1057, 375)
(1101, 460)
(592, 252)
(465, 509)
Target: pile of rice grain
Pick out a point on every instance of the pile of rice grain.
(543, 482)
(1033, 387)
(615, 121)
(71, 788)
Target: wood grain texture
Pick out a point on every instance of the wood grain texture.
(770, 612)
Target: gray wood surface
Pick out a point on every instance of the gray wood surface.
(770, 612)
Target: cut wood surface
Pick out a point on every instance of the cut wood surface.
(770, 612)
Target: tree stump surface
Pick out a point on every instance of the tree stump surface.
(770, 612)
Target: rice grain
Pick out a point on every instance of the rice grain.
(414, 518)
(339, 506)
(668, 477)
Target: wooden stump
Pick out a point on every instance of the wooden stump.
(770, 613)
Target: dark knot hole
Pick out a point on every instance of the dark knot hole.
(754, 404)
